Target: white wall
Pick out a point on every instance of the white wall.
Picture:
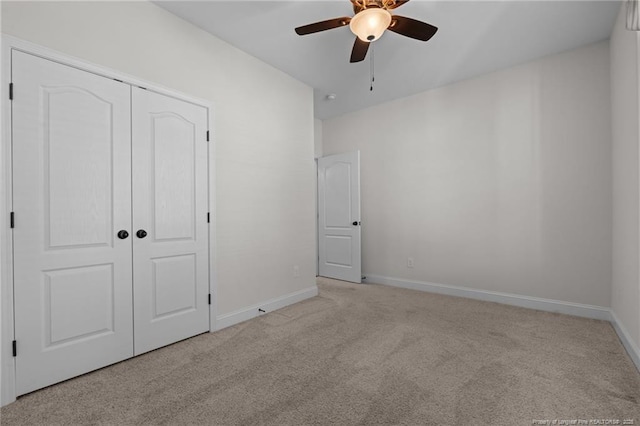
(625, 116)
(500, 183)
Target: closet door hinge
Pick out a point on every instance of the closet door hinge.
(208, 217)
(14, 348)
(11, 91)
(12, 222)
(209, 298)
(207, 136)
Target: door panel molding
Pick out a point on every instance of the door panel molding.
(65, 219)
(173, 195)
(166, 303)
(60, 318)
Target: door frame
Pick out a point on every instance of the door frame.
(9, 43)
(317, 200)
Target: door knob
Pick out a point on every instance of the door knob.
(141, 233)
(123, 234)
(355, 223)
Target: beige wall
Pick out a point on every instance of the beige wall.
(263, 131)
(501, 182)
(625, 115)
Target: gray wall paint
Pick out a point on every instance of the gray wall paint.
(263, 131)
(501, 182)
(626, 186)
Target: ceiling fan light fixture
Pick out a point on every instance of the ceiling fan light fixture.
(369, 24)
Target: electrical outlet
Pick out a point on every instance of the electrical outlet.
(410, 262)
(296, 271)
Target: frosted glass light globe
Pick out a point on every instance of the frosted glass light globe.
(369, 24)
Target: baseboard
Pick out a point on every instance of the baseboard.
(549, 305)
(227, 320)
(625, 338)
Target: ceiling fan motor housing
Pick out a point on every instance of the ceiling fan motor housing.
(360, 5)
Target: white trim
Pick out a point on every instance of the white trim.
(550, 305)
(7, 362)
(227, 320)
(317, 211)
(627, 342)
(213, 264)
(624, 337)
(10, 42)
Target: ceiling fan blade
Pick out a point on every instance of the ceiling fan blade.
(396, 4)
(323, 25)
(412, 28)
(359, 51)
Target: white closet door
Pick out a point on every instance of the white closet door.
(170, 193)
(71, 196)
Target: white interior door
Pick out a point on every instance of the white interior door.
(170, 193)
(71, 196)
(339, 217)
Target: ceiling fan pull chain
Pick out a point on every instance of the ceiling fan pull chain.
(373, 77)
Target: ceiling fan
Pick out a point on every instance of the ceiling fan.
(371, 18)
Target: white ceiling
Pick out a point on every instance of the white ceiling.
(474, 37)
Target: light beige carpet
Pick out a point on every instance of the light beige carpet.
(362, 354)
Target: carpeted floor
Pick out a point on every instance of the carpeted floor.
(362, 354)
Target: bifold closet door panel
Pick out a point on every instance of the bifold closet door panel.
(71, 196)
(170, 205)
